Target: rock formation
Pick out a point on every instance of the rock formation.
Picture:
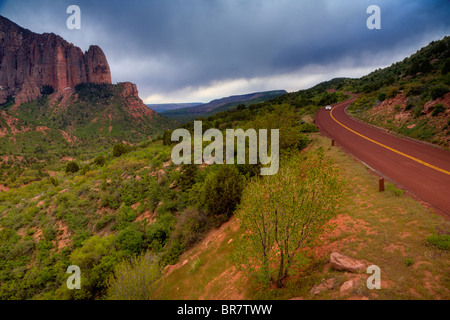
(30, 61)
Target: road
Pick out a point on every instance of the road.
(420, 168)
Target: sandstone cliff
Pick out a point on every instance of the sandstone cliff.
(30, 61)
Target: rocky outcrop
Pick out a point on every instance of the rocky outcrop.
(30, 61)
(134, 104)
(341, 262)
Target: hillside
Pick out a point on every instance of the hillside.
(218, 105)
(410, 97)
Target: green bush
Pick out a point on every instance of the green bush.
(308, 127)
(381, 96)
(167, 138)
(408, 262)
(54, 181)
(119, 149)
(187, 177)
(440, 241)
(86, 168)
(96, 259)
(190, 227)
(134, 279)
(438, 108)
(438, 91)
(130, 240)
(158, 233)
(72, 167)
(47, 89)
(303, 142)
(221, 192)
(100, 161)
(392, 92)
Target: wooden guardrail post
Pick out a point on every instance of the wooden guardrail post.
(332, 142)
(381, 184)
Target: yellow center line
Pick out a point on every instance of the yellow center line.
(389, 148)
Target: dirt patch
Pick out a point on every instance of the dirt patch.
(228, 290)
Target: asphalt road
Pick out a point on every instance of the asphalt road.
(420, 168)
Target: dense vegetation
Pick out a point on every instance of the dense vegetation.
(123, 212)
(106, 210)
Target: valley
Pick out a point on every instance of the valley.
(88, 178)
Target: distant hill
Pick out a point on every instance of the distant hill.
(171, 106)
(218, 105)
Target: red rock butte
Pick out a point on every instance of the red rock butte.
(30, 61)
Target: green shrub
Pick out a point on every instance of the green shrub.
(303, 142)
(221, 192)
(158, 233)
(72, 167)
(190, 227)
(187, 177)
(440, 241)
(86, 168)
(167, 138)
(438, 91)
(54, 181)
(47, 89)
(130, 240)
(100, 161)
(446, 68)
(308, 127)
(408, 262)
(96, 259)
(438, 108)
(392, 92)
(381, 96)
(134, 279)
(119, 149)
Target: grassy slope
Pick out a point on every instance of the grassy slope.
(380, 228)
(404, 96)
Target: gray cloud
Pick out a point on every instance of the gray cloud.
(191, 48)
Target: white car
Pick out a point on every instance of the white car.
(328, 108)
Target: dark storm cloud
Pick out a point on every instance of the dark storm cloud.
(168, 45)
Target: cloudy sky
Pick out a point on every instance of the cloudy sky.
(199, 50)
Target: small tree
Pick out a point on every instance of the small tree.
(72, 167)
(100, 161)
(134, 279)
(167, 135)
(187, 177)
(119, 149)
(222, 192)
(284, 213)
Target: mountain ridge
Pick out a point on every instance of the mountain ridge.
(221, 104)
